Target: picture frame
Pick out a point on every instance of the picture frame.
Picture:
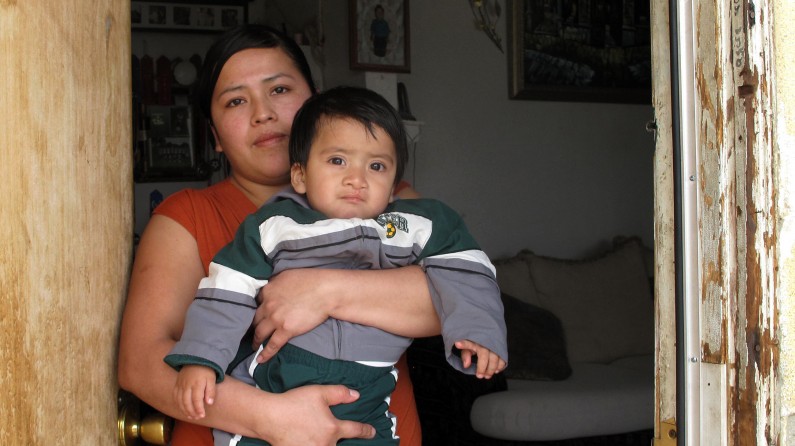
(579, 51)
(186, 16)
(379, 35)
(172, 150)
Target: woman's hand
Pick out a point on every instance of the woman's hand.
(292, 409)
(291, 303)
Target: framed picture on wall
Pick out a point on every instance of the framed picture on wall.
(379, 35)
(580, 50)
(183, 16)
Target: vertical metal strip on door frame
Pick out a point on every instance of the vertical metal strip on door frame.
(686, 216)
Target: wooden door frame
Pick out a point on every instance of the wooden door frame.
(729, 386)
(66, 220)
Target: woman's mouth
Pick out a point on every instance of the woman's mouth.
(268, 139)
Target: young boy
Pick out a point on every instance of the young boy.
(348, 151)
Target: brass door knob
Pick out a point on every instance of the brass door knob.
(155, 428)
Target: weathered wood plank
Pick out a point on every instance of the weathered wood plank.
(66, 220)
(664, 242)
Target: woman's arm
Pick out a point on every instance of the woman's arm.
(165, 275)
(296, 301)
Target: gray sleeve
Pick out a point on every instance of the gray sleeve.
(467, 299)
(216, 321)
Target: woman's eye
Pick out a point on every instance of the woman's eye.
(280, 90)
(379, 167)
(235, 102)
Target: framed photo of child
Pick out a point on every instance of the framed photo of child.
(379, 35)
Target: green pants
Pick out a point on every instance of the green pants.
(294, 367)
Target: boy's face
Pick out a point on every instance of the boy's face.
(350, 173)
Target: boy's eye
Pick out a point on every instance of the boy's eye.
(337, 161)
(379, 167)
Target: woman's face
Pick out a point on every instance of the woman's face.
(255, 99)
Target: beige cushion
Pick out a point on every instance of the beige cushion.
(513, 277)
(604, 304)
(596, 400)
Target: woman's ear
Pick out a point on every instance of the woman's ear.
(218, 147)
(298, 178)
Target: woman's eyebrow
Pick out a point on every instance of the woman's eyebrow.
(229, 89)
(275, 77)
(265, 80)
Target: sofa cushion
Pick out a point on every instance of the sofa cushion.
(641, 363)
(604, 304)
(513, 277)
(596, 400)
(536, 346)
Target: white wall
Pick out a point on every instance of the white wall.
(558, 178)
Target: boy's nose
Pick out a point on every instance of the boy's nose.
(356, 178)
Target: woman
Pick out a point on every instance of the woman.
(253, 82)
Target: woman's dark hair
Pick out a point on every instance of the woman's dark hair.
(232, 42)
(359, 104)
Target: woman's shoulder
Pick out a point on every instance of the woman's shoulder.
(220, 205)
(220, 197)
(210, 215)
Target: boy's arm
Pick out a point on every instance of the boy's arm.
(216, 321)
(224, 306)
(488, 362)
(195, 387)
(463, 286)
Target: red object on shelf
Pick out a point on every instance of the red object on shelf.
(148, 80)
(164, 81)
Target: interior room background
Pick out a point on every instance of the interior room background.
(560, 178)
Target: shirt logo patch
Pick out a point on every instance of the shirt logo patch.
(392, 223)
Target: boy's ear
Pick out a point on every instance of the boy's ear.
(297, 178)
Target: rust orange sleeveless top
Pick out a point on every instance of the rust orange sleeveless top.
(212, 216)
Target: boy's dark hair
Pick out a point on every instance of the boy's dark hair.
(232, 42)
(359, 104)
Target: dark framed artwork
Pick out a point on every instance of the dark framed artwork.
(379, 35)
(580, 50)
(183, 16)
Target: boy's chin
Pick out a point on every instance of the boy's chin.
(352, 213)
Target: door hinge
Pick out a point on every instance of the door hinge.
(667, 434)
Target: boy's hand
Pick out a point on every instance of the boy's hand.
(488, 362)
(195, 387)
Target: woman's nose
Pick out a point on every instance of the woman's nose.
(262, 112)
